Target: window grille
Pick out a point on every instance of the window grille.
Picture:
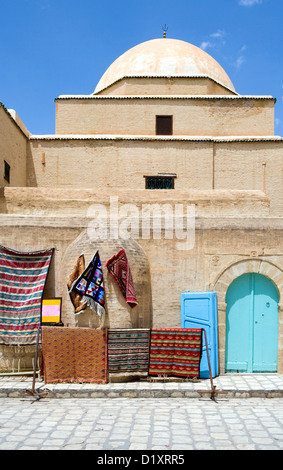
(159, 182)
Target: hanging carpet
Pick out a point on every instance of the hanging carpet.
(175, 351)
(119, 269)
(74, 354)
(128, 350)
(22, 281)
(76, 298)
(90, 286)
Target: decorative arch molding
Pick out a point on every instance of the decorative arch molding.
(255, 265)
(223, 280)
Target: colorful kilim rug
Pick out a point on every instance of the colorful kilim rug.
(119, 269)
(175, 351)
(22, 281)
(128, 350)
(74, 354)
(90, 286)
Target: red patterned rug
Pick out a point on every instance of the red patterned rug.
(74, 354)
(175, 351)
(119, 269)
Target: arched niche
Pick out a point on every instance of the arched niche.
(118, 313)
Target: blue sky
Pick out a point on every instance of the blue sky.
(53, 47)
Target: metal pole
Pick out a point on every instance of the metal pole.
(213, 387)
(35, 361)
(32, 392)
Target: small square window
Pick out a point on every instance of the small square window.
(164, 125)
(159, 182)
(7, 169)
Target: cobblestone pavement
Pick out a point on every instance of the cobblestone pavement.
(228, 386)
(159, 424)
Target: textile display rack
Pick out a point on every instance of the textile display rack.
(38, 395)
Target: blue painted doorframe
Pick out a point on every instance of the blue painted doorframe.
(251, 325)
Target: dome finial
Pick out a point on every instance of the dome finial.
(165, 29)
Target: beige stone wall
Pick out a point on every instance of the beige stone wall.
(117, 164)
(222, 250)
(76, 203)
(253, 165)
(13, 149)
(235, 187)
(191, 116)
(165, 86)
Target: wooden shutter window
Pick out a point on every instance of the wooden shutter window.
(164, 125)
(7, 169)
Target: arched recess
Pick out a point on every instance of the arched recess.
(118, 313)
(222, 283)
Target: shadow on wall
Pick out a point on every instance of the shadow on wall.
(3, 205)
(31, 172)
(118, 313)
(49, 290)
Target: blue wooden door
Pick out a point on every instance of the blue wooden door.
(199, 310)
(251, 325)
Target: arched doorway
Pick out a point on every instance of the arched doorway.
(251, 324)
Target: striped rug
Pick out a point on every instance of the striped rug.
(175, 351)
(128, 350)
(22, 281)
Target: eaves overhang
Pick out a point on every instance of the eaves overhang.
(165, 97)
(155, 138)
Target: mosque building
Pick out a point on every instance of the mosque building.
(165, 160)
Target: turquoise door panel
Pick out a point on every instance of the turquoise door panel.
(199, 310)
(251, 325)
(238, 325)
(265, 325)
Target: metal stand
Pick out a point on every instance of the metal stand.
(33, 392)
(39, 395)
(213, 387)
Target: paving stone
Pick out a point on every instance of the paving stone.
(155, 423)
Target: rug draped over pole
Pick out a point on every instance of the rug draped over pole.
(119, 269)
(175, 351)
(77, 299)
(22, 281)
(74, 354)
(90, 287)
(128, 350)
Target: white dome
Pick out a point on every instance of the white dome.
(164, 57)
